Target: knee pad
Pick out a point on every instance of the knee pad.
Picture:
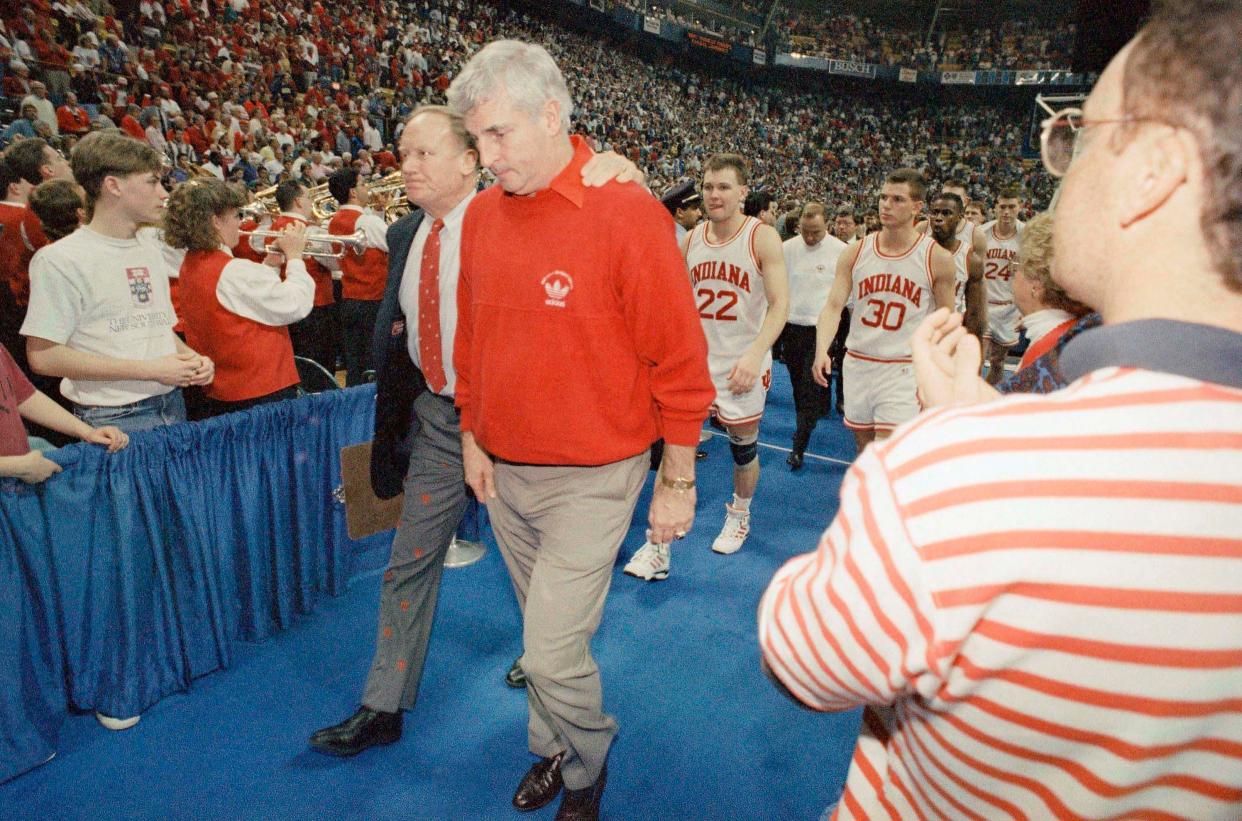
(744, 448)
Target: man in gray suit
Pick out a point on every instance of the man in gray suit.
(417, 445)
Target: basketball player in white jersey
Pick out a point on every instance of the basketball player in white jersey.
(975, 215)
(945, 216)
(967, 230)
(896, 277)
(737, 271)
(1003, 236)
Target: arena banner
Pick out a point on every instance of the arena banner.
(651, 25)
(851, 68)
(957, 78)
(908, 75)
(1047, 77)
(707, 41)
(800, 61)
(759, 57)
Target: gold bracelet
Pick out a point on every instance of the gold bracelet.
(676, 484)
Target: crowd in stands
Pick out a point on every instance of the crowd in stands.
(841, 35)
(259, 94)
(1014, 44)
(740, 23)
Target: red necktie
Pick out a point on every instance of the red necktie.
(429, 347)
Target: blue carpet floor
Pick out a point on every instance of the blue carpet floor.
(703, 733)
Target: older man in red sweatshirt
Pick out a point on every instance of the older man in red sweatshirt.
(578, 345)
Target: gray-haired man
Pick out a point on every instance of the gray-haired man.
(578, 345)
(417, 447)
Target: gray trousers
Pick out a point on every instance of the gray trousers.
(559, 530)
(435, 502)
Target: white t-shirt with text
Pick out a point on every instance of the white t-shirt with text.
(107, 297)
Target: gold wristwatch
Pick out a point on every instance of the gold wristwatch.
(676, 484)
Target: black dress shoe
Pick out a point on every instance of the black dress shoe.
(794, 460)
(583, 805)
(540, 785)
(365, 728)
(516, 677)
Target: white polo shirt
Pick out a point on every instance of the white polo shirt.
(811, 270)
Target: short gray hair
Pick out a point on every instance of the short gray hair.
(525, 71)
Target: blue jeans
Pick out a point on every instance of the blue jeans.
(166, 409)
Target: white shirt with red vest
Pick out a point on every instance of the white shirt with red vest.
(362, 275)
(319, 273)
(235, 311)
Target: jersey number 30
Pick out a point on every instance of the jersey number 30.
(727, 299)
(886, 315)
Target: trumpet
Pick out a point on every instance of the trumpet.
(322, 246)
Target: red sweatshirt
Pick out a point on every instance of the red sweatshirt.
(578, 342)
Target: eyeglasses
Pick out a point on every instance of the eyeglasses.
(1058, 140)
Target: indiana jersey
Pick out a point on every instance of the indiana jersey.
(999, 264)
(728, 289)
(960, 273)
(891, 297)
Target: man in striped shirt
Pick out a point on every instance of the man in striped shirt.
(1038, 600)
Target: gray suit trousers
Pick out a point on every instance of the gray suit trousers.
(435, 502)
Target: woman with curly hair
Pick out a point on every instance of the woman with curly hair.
(236, 310)
(1047, 311)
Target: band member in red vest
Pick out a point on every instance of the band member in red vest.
(318, 336)
(237, 309)
(362, 276)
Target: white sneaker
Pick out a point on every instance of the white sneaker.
(650, 563)
(117, 723)
(733, 534)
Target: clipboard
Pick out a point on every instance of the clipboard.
(365, 513)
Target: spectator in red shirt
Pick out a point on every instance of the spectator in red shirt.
(196, 136)
(17, 84)
(18, 400)
(72, 118)
(385, 160)
(130, 124)
(577, 346)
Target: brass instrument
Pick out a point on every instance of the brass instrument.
(263, 205)
(323, 204)
(198, 172)
(321, 246)
(388, 196)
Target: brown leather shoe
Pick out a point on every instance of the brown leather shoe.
(540, 785)
(583, 805)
